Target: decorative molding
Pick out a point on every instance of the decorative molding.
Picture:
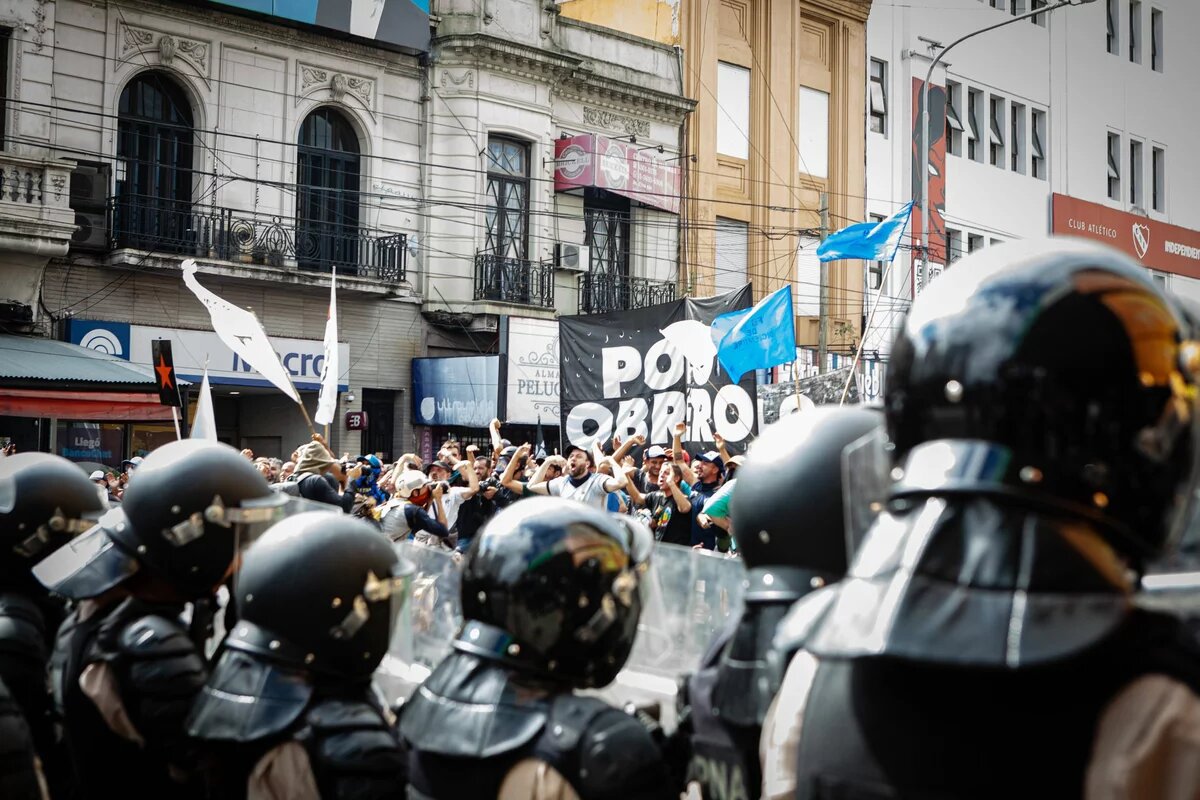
(467, 77)
(167, 48)
(59, 182)
(568, 76)
(339, 85)
(39, 25)
(607, 119)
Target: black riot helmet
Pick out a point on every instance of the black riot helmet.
(319, 591)
(553, 587)
(790, 504)
(1055, 374)
(187, 510)
(44, 501)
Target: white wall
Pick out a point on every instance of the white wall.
(1063, 68)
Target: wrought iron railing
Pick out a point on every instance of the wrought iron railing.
(600, 292)
(513, 280)
(226, 234)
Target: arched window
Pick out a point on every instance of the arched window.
(154, 164)
(327, 232)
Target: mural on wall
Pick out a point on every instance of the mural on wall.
(403, 24)
(935, 161)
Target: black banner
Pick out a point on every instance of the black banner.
(645, 370)
(164, 372)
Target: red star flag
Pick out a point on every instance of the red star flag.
(242, 333)
(327, 402)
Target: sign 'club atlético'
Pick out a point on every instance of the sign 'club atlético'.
(1168, 248)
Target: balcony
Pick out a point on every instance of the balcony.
(513, 280)
(245, 237)
(603, 292)
(36, 224)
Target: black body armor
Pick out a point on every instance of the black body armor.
(18, 770)
(457, 752)
(158, 672)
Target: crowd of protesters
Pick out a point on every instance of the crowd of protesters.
(444, 503)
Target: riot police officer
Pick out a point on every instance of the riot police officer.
(288, 711)
(1041, 400)
(125, 669)
(789, 514)
(551, 595)
(44, 501)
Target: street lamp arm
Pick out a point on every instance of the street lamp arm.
(1009, 21)
(924, 132)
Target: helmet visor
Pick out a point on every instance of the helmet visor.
(88, 565)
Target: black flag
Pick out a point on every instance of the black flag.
(164, 370)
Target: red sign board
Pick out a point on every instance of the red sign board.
(622, 168)
(356, 420)
(1157, 245)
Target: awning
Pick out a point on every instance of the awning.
(91, 406)
(639, 173)
(49, 378)
(25, 358)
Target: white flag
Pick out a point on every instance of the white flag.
(327, 402)
(241, 332)
(204, 426)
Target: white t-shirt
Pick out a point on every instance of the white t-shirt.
(451, 503)
(591, 491)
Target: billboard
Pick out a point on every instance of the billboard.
(622, 168)
(455, 391)
(400, 24)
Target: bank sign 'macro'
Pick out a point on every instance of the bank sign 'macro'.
(302, 358)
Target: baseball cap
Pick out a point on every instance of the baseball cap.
(441, 464)
(508, 452)
(572, 447)
(372, 460)
(738, 460)
(712, 457)
(656, 451)
(97, 475)
(136, 461)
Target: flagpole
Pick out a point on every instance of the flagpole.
(175, 416)
(870, 319)
(307, 418)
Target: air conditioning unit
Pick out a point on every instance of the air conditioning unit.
(89, 187)
(91, 231)
(572, 257)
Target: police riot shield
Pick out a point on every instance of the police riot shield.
(423, 635)
(866, 476)
(688, 598)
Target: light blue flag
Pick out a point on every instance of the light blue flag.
(757, 338)
(871, 241)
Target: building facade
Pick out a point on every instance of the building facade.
(552, 187)
(1068, 125)
(269, 152)
(778, 128)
